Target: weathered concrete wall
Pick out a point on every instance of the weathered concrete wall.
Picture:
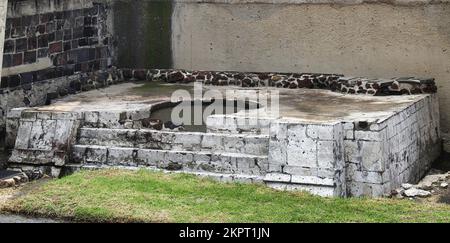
(3, 6)
(143, 35)
(402, 38)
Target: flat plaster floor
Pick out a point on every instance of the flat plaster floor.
(307, 105)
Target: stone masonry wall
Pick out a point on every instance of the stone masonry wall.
(307, 157)
(67, 41)
(43, 92)
(52, 49)
(3, 6)
(356, 158)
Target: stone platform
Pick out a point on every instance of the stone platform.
(328, 143)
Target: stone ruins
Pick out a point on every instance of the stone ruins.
(65, 106)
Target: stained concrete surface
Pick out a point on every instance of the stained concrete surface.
(306, 104)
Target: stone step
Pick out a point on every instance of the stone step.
(238, 124)
(172, 160)
(185, 141)
(325, 187)
(72, 168)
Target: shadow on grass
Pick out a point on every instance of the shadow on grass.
(145, 196)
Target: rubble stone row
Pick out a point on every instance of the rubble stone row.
(334, 82)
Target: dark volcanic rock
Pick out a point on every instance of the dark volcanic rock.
(175, 77)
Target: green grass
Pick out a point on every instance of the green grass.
(144, 196)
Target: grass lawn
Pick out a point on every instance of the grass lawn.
(144, 196)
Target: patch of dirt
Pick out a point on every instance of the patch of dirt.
(5, 195)
(438, 189)
(8, 194)
(442, 195)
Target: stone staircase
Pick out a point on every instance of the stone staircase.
(282, 154)
(217, 154)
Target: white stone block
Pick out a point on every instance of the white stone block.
(312, 180)
(179, 157)
(202, 158)
(277, 177)
(188, 141)
(42, 134)
(256, 145)
(303, 171)
(326, 154)
(373, 156)
(301, 150)
(322, 132)
(369, 135)
(23, 135)
(349, 135)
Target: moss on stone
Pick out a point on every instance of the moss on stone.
(144, 33)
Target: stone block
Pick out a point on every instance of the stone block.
(361, 189)
(321, 132)
(108, 119)
(233, 144)
(277, 177)
(301, 150)
(65, 134)
(150, 157)
(312, 180)
(256, 145)
(327, 154)
(42, 134)
(179, 157)
(212, 141)
(373, 156)
(96, 154)
(121, 156)
(202, 158)
(188, 141)
(78, 154)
